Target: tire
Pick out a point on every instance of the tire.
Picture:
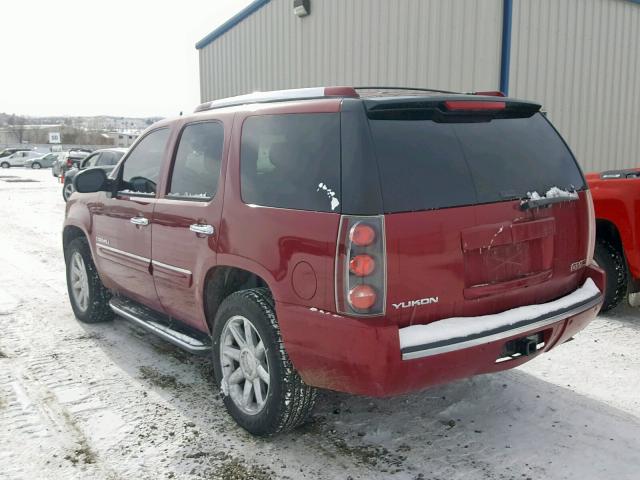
(287, 400)
(67, 190)
(81, 269)
(36, 166)
(5, 165)
(612, 261)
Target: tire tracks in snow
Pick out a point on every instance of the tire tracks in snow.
(63, 384)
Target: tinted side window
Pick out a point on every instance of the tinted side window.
(109, 158)
(141, 169)
(292, 161)
(196, 168)
(91, 161)
(105, 158)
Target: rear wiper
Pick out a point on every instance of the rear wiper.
(541, 202)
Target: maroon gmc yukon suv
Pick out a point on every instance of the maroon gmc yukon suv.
(369, 241)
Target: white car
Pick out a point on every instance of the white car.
(19, 158)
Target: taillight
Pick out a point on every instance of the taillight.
(491, 93)
(362, 297)
(362, 234)
(592, 227)
(473, 105)
(361, 266)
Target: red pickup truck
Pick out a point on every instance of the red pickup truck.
(616, 198)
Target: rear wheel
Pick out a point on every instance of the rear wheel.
(612, 261)
(89, 299)
(67, 190)
(36, 165)
(262, 391)
(5, 165)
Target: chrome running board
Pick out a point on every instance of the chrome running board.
(160, 325)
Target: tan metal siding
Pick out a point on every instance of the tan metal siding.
(453, 44)
(581, 60)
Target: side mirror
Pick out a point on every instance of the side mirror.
(91, 180)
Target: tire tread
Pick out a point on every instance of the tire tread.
(612, 261)
(298, 398)
(99, 310)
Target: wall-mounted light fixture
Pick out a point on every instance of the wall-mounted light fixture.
(301, 8)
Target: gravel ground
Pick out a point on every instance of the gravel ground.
(111, 402)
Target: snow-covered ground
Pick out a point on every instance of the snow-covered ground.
(111, 402)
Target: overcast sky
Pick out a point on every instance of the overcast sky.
(121, 57)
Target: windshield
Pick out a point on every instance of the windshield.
(426, 165)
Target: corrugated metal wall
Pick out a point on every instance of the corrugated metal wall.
(452, 44)
(581, 60)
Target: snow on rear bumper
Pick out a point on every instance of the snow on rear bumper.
(451, 334)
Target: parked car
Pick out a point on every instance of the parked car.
(370, 244)
(71, 159)
(105, 159)
(10, 151)
(616, 199)
(43, 161)
(56, 168)
(19, 158)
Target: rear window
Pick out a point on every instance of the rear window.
(291, 161)
(426, 165)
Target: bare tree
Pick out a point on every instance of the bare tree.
(17, 127)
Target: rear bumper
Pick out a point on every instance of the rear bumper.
(516, 322)
(361, 357)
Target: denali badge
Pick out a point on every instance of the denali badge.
(578, 265)
(104, 241)
(415, 303)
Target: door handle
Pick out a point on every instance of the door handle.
(202, 229)
(140, 221)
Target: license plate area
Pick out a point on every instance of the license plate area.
(521, 347)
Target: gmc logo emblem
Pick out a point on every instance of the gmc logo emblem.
(415, 303)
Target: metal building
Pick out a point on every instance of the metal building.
(579, 58)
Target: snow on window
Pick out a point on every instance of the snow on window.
(553, 192)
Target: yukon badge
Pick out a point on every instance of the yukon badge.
(415, 303)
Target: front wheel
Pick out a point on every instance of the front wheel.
(89, 298)
(5, 165)
(67, 190)
(36, 166)
(262, 391)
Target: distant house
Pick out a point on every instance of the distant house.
(123, 139)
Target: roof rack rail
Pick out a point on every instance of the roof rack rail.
(417, 89)
(279, 96)
(314, 93)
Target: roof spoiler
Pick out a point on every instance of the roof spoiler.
(467, 108)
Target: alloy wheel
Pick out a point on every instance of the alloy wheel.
(79, 281)
(245, 367)
(68, 190)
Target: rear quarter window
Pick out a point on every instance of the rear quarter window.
(291, 161)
